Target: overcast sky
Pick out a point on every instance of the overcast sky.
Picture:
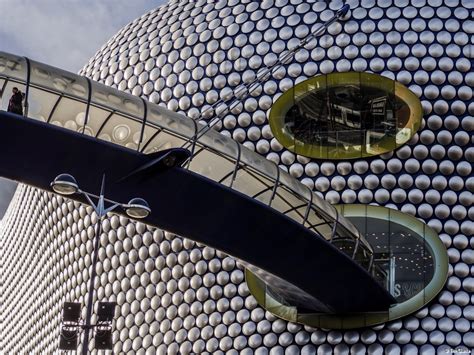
(62, 33)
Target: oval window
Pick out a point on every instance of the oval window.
(345, 116)
(409, 259)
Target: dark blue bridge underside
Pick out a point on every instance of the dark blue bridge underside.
(194, 207)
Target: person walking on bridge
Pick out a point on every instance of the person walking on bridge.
(15, 104)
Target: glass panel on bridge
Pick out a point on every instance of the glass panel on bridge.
(122, 130)
(211, 165)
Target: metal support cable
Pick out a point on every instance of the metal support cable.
(226, 104)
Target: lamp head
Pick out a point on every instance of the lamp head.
(137, 208)
(65, 184)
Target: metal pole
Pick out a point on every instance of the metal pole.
(100, 213)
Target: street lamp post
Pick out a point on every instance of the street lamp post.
(65, 184)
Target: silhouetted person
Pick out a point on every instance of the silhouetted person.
(15, 103)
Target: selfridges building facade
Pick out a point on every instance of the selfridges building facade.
(177, 296)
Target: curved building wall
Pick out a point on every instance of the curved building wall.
(177, 296)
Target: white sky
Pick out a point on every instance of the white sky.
(62, 33)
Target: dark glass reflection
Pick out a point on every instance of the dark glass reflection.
(403, 262)
(354, 249)
(350, 115)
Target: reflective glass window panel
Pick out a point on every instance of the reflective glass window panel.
(148, 133)
(211, 165)
(69, 113)
(345, 116)
(296, 187)
(163, 141)
(13, 66)
(95, 122)
(123, 131)
(41, 103)
(250, 183)
(128, 104)
(221, 144)
(287, 202)
(399, 252)
(68, 84)
(170, 121)
(320, 222)
(406, 274)
(259, 163)
(316, 222)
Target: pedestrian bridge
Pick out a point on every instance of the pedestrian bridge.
(210, 189)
